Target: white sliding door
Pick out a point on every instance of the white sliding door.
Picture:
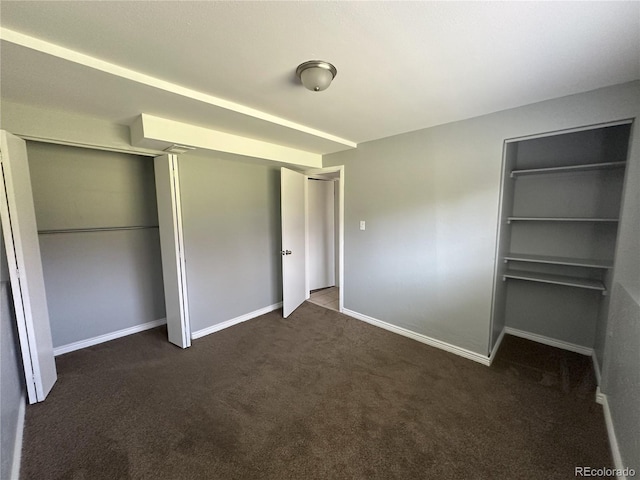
(25, 268)
(293, 201)
(172, 248)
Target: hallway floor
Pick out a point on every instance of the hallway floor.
(326, 297)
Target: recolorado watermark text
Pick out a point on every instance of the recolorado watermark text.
(604, 472)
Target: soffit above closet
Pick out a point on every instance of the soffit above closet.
(402, 66)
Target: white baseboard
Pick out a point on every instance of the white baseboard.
(552, 342)
(234, 321)
(17, 447)
(463, 352)
(613, 441)
(107, 336)
(494, 350)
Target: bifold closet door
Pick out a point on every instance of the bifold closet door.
(172, 249)
(25, 268)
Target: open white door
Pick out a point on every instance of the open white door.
(172, 250)
(293, 187)
(25, 268)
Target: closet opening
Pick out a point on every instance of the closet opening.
(560, 208)
(97, 223)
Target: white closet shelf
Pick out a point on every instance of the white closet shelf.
(94, 229)
(560, 219)
(557, 280)
(568, 168)
(547, 259)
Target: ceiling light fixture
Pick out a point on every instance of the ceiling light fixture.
(316, 75)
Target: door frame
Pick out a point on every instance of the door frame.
(321, 173)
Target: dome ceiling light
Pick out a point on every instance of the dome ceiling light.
(316, 75)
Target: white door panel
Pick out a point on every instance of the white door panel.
(293, 198)
(25, 268)
(172, 250)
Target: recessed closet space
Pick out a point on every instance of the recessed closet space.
(561, 200)
(97, 226)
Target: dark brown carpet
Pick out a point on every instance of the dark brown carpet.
(316, 396)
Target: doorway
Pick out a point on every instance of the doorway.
(295, 235)
(322, 241)
(97, 227)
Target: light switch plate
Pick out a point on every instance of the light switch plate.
(362, 225)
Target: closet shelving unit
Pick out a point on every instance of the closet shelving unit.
(560, 209)
(565, 280)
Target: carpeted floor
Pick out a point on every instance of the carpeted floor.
(316, 396)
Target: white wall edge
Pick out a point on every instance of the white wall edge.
(149, 131)
(494, 350)
(462, 352)
(107, 336)
(234, 321)
(552, 342)
(17, 447)
(613, 441)
(596, 368)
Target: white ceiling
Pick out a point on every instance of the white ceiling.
(230, 66)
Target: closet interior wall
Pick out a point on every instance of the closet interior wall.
(559, 221)
(98, 232)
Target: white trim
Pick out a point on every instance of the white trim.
(563, 131)
(463, 352)
(70, 347)
(496, 346)
(58, 51)
(613, 441)
(143, 152)
(596, 368)
(341, 200)
(306, 238)
(599, 396)
(497, 261)
(552, 342)
(234, 321)
(17, 445)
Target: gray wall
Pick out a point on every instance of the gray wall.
(430, 199)
(97, 282)
(231, 224)
(426, 260)
(12, 390)
(621, 371)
